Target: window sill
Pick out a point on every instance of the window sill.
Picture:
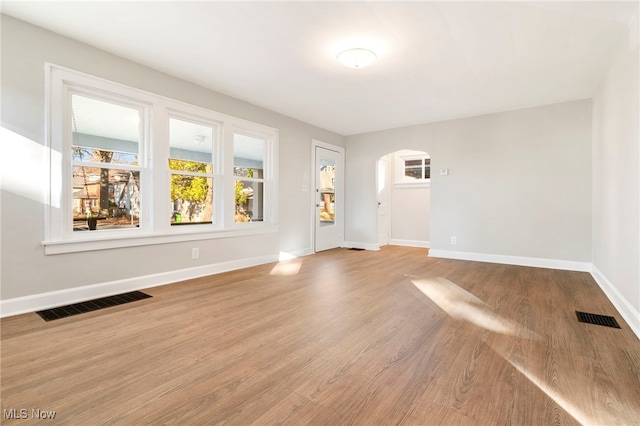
(110, 242)
(417, 184)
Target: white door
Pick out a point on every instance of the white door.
(383, 201)
(328, 197)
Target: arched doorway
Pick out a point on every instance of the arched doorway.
(403, 183)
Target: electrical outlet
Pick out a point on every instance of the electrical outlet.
(195, 253)
(453, 241)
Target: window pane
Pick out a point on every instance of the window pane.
(413, 163)
(190, 146)
(249, 201)
(105, 198)
(101, 156)
(191, 199)
(327, 191)
(104, 132)
(190, 166)
(248, 156)
(249, 172)
(427, 168)
(413, 173)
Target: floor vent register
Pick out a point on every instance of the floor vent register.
(91, 305)
(597, 319)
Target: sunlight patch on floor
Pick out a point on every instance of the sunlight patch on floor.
(568, 407)
(596, 392)
(462, 305)
(287, 266)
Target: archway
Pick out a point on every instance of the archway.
(403, 185)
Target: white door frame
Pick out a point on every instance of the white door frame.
(387, 184)
(339, 196)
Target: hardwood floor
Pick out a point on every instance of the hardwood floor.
(340, 337)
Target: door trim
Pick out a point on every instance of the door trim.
(339, 218)
(387, 183)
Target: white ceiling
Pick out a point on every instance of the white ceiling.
(436, 60)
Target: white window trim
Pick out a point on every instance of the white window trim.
(60, 238)
(180, 111)
(269, 178)
(416, 184)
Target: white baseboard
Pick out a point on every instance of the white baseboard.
(628, 312)
(296, 253)
(366, 246)
(409, 243)
(568, 265)
(37, 302)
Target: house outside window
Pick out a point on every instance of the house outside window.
(106, 164)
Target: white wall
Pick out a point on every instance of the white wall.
(26, 271)
(616, 181)
(519, 182)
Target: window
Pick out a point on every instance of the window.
(417, 169)
(131, 168)
(106, 185)
(248, 168)
(412, 168)
(192, 172)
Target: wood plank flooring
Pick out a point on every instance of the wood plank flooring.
(341, 337)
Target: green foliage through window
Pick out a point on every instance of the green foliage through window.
(192, 192)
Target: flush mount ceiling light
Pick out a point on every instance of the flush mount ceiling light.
(357, 58)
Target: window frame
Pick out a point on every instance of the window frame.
(154, 168)
(141, 168)
(401, 180)
(269, 201)
(205, 118)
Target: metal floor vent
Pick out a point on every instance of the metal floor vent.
(597, 319)
(91, 305)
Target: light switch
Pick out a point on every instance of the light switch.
(444, 172)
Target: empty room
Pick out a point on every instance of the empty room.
(327, 213)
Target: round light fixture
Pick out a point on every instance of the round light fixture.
(357, 58)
